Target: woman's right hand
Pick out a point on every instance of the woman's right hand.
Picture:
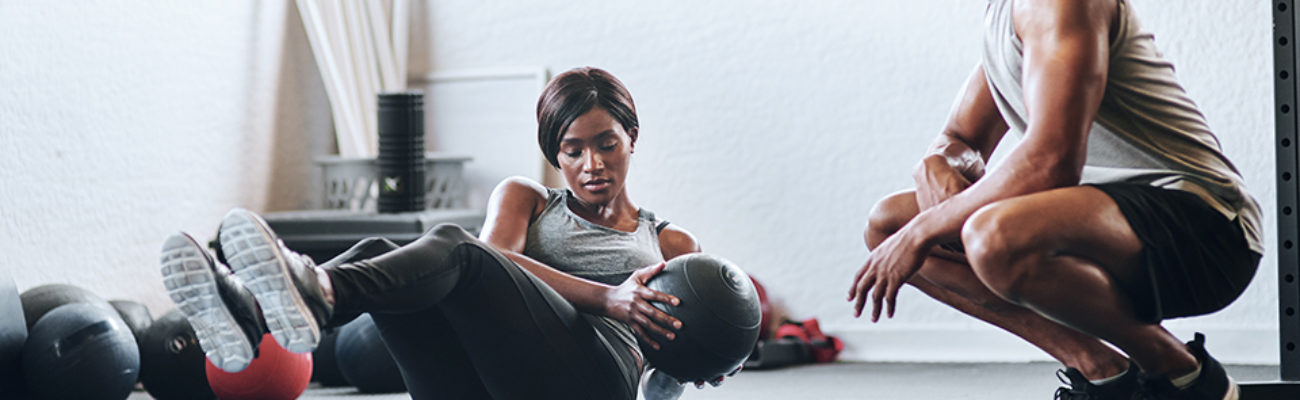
(629, 302)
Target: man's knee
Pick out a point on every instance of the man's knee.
(999, 251)
(888, 216)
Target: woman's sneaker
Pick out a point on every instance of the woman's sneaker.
(284, 282)
(1212, 384)
(221, 311)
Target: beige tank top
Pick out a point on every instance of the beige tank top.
(1147, 129)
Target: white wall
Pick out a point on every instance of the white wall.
(769, 128)
(123, 123)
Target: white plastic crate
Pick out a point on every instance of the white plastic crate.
(352, 183)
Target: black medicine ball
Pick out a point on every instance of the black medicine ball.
(720, 315)
(171, 361)
(80, 351)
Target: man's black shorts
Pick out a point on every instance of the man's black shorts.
(1197, 260)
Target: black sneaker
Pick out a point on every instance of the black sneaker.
(284, 282)
(1213, 383)
(222, 312)
(1125, 387)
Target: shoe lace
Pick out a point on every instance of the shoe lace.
(1068, 392)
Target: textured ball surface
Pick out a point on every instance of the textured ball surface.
(363, 358)
(720, 316)
(42, 299)
(171, 360)
(80, 351)
(276, 374)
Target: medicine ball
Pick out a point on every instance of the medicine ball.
(720, 317)
(13, 334)
(324, 365)
(80, 351)
(364, 360)
(171, 361)
(41, 299)
(135, 315)
(276, 374)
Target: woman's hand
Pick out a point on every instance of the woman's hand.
(629, 302)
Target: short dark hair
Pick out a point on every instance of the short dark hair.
(573, 93)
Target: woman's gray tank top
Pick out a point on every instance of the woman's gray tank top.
(563, 240)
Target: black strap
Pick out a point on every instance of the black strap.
(660, 228)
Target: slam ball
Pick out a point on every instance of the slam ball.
(171, 360)
(276, 374)
(80, 351)
(363, 358)
(42, 299)
(13, 334)
(720, 316)
(135, 315)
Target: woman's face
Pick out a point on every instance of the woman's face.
(594, 156)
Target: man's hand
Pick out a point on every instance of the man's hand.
(890, 266)
(937, 181)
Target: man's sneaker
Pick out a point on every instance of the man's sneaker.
(1213, 383)
(1125, 387)
(222, 312)
(284, 282)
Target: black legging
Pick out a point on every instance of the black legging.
(463, 321)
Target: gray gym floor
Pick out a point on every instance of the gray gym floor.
(866, 381)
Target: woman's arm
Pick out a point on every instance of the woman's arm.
(511, 208)
(675, 241)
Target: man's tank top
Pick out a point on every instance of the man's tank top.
(1147, 129)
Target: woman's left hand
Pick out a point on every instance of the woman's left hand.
(629, 302)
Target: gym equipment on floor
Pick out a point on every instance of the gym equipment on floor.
(80, 351)
(363, 358)
(1288, 220)
(171, 361)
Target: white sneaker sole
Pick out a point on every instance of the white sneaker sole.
(253, 252)
(187, 274)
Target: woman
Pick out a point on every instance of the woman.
(548, 303)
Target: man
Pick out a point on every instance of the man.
(1117, 210)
